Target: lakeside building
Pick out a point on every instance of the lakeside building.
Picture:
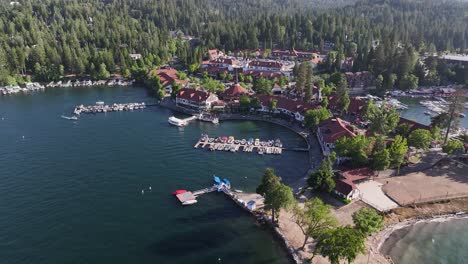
(291, 108)
(168, 77)
(356, 106)
(196, 99)
(413, 125)
(234, 92)
(330, 130)
(347, 180)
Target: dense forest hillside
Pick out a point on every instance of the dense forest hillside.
(50, 38)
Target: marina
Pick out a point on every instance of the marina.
(100, 107)
(15, 89)
(230, 144)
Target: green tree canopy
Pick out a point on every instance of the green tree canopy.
(453, 146)
(315, 116)
(314, 219)
(383, 119)
(322, 179)
(367, 221)
(354, 147)
(397, 151)
(420, 138)
(340, 243)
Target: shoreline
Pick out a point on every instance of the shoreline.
(380, 238)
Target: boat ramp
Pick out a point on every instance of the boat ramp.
(230, 144)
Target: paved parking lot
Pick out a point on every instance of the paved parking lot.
(372, 194)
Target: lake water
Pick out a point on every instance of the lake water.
(416, 111)
(70, 191)
(434, 242)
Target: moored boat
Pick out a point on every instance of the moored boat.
(176, 121)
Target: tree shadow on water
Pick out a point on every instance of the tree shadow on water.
(192, 241)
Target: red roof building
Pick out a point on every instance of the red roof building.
(329, 131)
(346, 183)
(234, 92)
(167, 76)
(413, 125)
(265, 65)
(293, 108)
(195, 99)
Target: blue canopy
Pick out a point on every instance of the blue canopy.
(216, 179)
(226, 182)
(251, 140)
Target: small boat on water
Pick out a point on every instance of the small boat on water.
(189, 202)
(176, 121)
(69, 117)
(179, 192)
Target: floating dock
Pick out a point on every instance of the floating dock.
(229, 144)
(188, 197)
(100, 107)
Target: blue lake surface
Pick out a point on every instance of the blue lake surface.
(70, 191)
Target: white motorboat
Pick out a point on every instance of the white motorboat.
(176, 121)
(189, 202)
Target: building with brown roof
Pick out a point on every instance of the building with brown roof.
(265, 65)
(195, 99)
(213, 54)
(347, 180)
(413, 125)
(288, 107)
(168, 77)
(234, 92)
(329, 131)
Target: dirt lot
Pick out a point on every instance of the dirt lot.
(447, 179)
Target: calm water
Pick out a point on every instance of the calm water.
(70, 191)
(416, 112)
(435, 242)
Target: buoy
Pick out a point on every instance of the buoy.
(23, 137)
(149, 188)
(142, 191)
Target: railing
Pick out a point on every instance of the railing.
(436, 198)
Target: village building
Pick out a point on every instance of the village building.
(223, 63)
(265, 65)
(290, 108)
(413, 125)
(356, 106)
(135, 56)
(293, 55)
(234, 92)
(168, 77)
(196, 100)
(347, 179)
(263, 74)
(214, 54)
(329, 131)
(277, 89)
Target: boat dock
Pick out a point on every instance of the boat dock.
(187, 197)
(231, 145)
(100, 107)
